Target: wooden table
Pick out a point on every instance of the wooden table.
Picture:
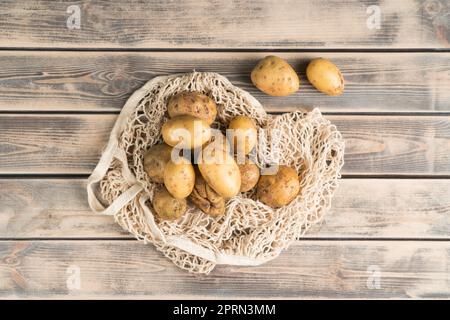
(61, 88)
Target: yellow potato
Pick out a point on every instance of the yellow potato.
(275, 77)
(325, 76)
(220, 172)
(205, 198)
(193, 104)
(218, 140)
(279, 189)
(179, 177)
(155, 161)
(166, 206)
(186, 132)
(249, 175)
(243, 134)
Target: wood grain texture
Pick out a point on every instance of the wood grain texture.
(103, 81)
(319, 269)
(51, 208)
(61, 144)
(215, 24)
(361, 208)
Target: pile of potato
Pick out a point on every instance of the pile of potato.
(213, 174)
(274, 76)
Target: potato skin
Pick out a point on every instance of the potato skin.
(186, 132)
(325, 76)
(166, 206)
(274, 76)
(220, 172)
(206, 199)
(155, 161)
(179, 178)
(243, 136)
(218, 141)
(249, 175)
(193, 104)
(279, 189)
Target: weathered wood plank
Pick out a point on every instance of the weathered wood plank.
(102, 81)
(63, 144)
(361, 208)
(216, 24)
(51, 208)
(308, 269)
(52, 144)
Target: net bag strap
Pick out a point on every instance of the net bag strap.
(112, 152)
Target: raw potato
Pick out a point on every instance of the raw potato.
(206, 199)
(179, 177)
(275, 77)
(193, 104)
(166, 206)
(186, 132)
(155, 161)
(249, 175)
(279, 189)
(220, 171)
(325, 76)
(218, 140)
(244, 134)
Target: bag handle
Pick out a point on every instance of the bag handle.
(99, 172)
(112, 151)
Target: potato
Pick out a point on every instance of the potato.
(205, 198)
(249, 175)
(166, 206)
(218, 140)
(220, 171)
(275, 77)
(193, 104)
(186, 132)
(279, 189)
(325, 76)
(155, 161)
(179, 177)
(243, 135)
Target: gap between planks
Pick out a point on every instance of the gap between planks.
(232, 50)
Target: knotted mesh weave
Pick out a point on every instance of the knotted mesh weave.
(249, 233)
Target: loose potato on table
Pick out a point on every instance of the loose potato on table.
(279, 189)
(243, 134)
(325, 76)
(193, 104)
(249, 175)
(166, 206)
(155, 161)
(179, 177)
(186, 132)
(275, 77)
(220, 171)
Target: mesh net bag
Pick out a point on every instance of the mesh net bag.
(250, 232)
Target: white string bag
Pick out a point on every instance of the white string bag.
(249, 233)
